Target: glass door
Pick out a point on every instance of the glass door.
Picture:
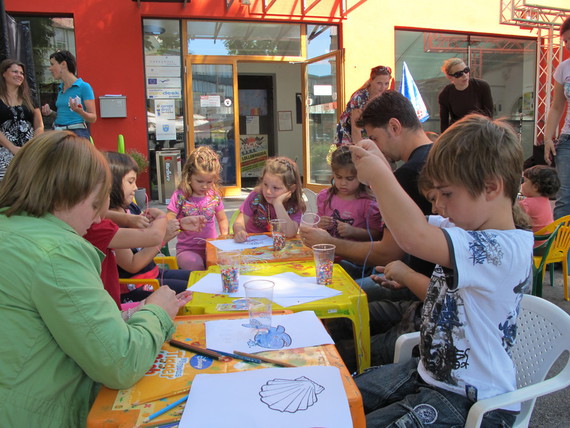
(212, 98)
(321, 95)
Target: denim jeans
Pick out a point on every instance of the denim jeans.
(562, 207)
(395, 396)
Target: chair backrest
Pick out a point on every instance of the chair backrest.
(564, 221)
(310, 199)
(561, 243)
(543, 334)
(543, 249)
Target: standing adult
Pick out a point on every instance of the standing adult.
(62, 335)
(75, 103)
(20, 118)
(347, 131)
(562, 150)
(463, 95)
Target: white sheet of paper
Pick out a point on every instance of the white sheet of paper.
(287, 332)
(290, 288)
(252, 242)
(252, 399)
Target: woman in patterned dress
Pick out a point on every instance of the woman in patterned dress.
(346, 131)
(20, 119)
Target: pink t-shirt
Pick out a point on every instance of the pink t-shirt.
(354, 212)
(208, 206)
(539, 210)
(260, 213)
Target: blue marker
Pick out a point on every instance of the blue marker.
(166, 409)
(239, 357)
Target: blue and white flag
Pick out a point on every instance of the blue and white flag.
(409, 89)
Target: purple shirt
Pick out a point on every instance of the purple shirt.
(354, 211)
(260, 213)
(208, 206)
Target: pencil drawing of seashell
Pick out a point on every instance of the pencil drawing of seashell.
(290, 395)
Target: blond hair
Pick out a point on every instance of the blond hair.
(202, 160)
(474, 150)
(287, 170)
(54, 171)
(449, 63)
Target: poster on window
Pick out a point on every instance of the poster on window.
(164, 109)
(254, 153)
(165, 130)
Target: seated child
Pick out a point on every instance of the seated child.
(277, 196)
(540, 183)
(198, 195)
(347, 209)
(139, 262)
(483, 268)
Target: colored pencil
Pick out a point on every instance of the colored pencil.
(166, 409)
(265, 359)
(159, 397)
(252, 359)
(195, 349)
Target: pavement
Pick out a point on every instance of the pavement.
(553, 410)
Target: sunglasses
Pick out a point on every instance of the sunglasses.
(381, 68)
(460, 73)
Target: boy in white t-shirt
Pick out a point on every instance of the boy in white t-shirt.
(483, 267)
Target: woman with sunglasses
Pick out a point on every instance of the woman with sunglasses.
(75, 103)
(560, 102)
(463, 95)
(346, 131)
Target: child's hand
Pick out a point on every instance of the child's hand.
(138, 222)
(345, 230)
(395, 274)
(368, 163)
(153, 213)
(380, 279)
(193, 223)
(326, 222)
(184, 298)
(240, 236)
(370, 146)
(281, 199)
(172, 229)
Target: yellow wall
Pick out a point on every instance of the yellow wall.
(369, 31)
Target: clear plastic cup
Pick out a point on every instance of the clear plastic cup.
(324, 260)
(278, 233)
(259, 295)
(229, 262)
(310, 219)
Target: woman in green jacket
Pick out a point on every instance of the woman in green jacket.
(62, 335)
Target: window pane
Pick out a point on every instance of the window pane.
(507, 64)
(243, 38)
(48, 35)
(321, 39)
(322, 117)
(213, 97)
(163, 81)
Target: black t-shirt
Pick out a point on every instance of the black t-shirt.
(407, 175)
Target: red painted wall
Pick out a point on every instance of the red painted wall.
(109, 49)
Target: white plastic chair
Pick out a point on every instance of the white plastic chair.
(310, 199)
(543, 334)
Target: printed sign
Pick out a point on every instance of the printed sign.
(254, 153)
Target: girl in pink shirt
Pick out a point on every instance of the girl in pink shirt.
(198, 195)
(540, 183)
(347, 209)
